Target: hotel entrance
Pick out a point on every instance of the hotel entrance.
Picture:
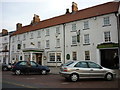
(39, 58)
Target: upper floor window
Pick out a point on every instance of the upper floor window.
(18, 38)
(31, 35)
(12, 47)
(5, 38)
(19, 46)
(13, 39)
(74, 40)
(86, 25)
(58, 43)
(24, 37)
(39, 34)
(39, 44)
(107, 36)
(106, 21)
(73, 27)
(47, 44)
(24, 46)
(58, 30)
(47, 32)
(86, 39)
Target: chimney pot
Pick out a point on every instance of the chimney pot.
(67, 11)
(4, 32)
(36, 19)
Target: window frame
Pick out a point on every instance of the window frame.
(107, 36)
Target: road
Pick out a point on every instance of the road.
(52, 81)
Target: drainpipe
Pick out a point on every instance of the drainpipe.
(64, 42)
(118, 27)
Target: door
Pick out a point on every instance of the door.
(95, 70)
(83, 69)
(39, 58)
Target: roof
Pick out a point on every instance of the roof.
(102, 9)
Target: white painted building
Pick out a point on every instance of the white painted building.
(88, 34)
(4, 46)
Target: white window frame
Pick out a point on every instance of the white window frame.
(86, 39)
(86, 25)
(58, 42)
(74, 27)
(55, 54)
(24, 37)
(107, 36)
(87, 55)
(58, 30)
(74, 55)
(74, 40)
(47, 32)
(31, 35)
(39, 34)
(39, 44)
(47, 43)
(106, 20)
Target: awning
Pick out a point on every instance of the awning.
(107, 45)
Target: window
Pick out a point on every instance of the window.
(86, 39)
(19, 46)
(39, 34)
(22, 63)
(24, 37)
(13, 39)
(74, 40)
(93, 65)
(106, 21)
(24, 46)
(107, 36)
(73, 27)
(52, 56)
(81, 65)
(13, 48)
(31, 35)
(18, 38)
(74, 54)
(47, 44)
(86, 25)
(87, 55)
(58, 42)
(58, 56)
(47, 32)
(39, 44)
(58, 30)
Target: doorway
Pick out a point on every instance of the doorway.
(39, 58)
(107, 57)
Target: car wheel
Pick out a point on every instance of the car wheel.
(74, 77)
(17, 72)
(5, 68)
(43, 72)
(109, 76)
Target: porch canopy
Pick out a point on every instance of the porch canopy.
(32, 49)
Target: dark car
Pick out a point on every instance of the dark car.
(27, 67)
(6, 67)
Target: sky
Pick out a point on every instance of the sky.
(22, 11)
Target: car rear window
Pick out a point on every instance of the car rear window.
(68, 63)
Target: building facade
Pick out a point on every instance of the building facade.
(4, 46)
(88, 34)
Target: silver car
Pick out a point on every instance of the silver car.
(74, 70)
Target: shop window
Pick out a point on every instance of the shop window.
(87, 55)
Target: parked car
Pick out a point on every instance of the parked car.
(74, 70)
(6, 67)
(25, 67)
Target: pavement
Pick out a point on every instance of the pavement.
(55, 70)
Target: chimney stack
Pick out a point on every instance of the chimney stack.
(18, 26)
(67, 11)
(4, 32)
(36, 19)
(74, 7)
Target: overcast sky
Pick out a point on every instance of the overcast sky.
(22, 11)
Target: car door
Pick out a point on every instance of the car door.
(22, 66)
(83, 69)
(34, 67)
(95, 70)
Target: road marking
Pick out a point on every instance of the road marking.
(64, 83)
(26, 86)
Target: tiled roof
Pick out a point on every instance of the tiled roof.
(98, 10)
